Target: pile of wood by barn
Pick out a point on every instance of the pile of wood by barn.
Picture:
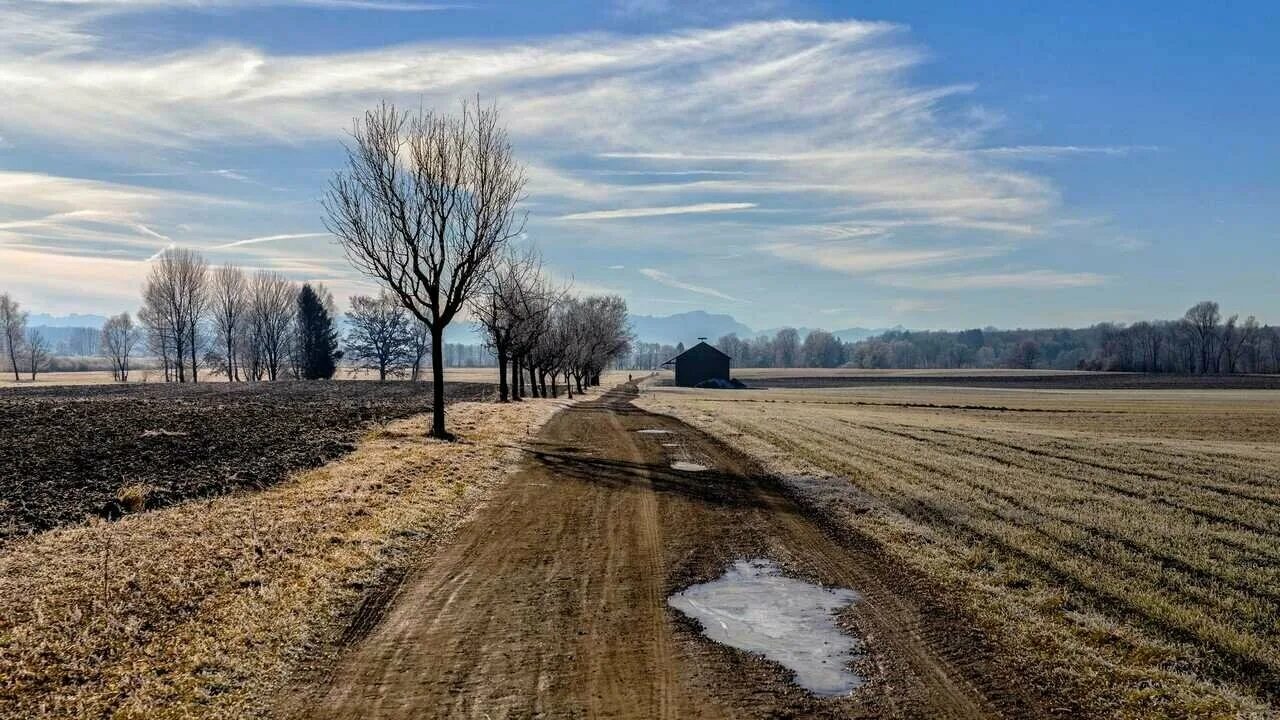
(700, 364)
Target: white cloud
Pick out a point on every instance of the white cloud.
(656, 211)
(1021, 280)
(665, 279)
(780, 117)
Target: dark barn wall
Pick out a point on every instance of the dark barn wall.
(700, 363)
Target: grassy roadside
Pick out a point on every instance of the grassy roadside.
(1101, 663)
(204, 609)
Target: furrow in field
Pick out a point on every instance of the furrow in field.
(1071, 554)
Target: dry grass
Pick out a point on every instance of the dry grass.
(1123, 544)
(203, 609)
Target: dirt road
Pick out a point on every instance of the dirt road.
(552, 601)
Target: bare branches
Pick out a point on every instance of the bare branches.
(119, 338)
(272, 305)
(174, 303)
(381, 335)
(426, 205)
(13, 330)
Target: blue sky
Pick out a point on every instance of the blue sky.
(820, 164)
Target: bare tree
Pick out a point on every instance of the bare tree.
(175, 300)
(228, 298)
(1202, 322)
(425, 205)
(380, 335)
(420, 345)
(273, 300)
(13, 325)
(37, 353)
(119, 337)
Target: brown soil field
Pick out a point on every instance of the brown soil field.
(1121, 546)
(72, 451)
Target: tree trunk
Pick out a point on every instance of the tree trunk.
(555, 390)
(533, 381)
(502, 374)
(195, 374)
(437, 384)
(515, 378)
(542, 381)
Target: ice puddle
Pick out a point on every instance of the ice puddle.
(754, 607)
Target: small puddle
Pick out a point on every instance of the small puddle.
(754, 607)
(670, 444)
(687, 466)
(654, 432)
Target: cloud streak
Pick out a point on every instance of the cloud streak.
(267, 238)
(658, 211)
(1020, 280)
(663, 278)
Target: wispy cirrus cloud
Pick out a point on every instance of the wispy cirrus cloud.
(820, 129)
(1013, 280)
(862, 259)
(663, 278)
(268, 238)
(656, 211)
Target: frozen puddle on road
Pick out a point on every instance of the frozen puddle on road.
(654, 432)
(754, 607)
(687, 466)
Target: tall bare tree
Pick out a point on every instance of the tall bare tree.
(175, 300)
(228, 299)
(13, 330)
(425, 204)
(273, 301)
(37, 353)
(1202, 321)
(119, 338)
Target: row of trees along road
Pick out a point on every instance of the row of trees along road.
(428, 205)
(243, 326)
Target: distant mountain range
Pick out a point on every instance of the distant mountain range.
(687, 327)
(36, 320)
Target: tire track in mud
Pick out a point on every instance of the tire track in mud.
(551, 601)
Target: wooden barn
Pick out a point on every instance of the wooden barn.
(699, 364)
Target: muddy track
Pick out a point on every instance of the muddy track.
(551, 602)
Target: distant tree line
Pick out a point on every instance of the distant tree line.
(244, 327)
(1202, 341)
(785, 348)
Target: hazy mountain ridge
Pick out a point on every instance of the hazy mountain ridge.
(687, 327)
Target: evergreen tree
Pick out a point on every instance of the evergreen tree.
(317, 337)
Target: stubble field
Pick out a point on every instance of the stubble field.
(1124, 543)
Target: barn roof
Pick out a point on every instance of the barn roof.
(697, 347)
